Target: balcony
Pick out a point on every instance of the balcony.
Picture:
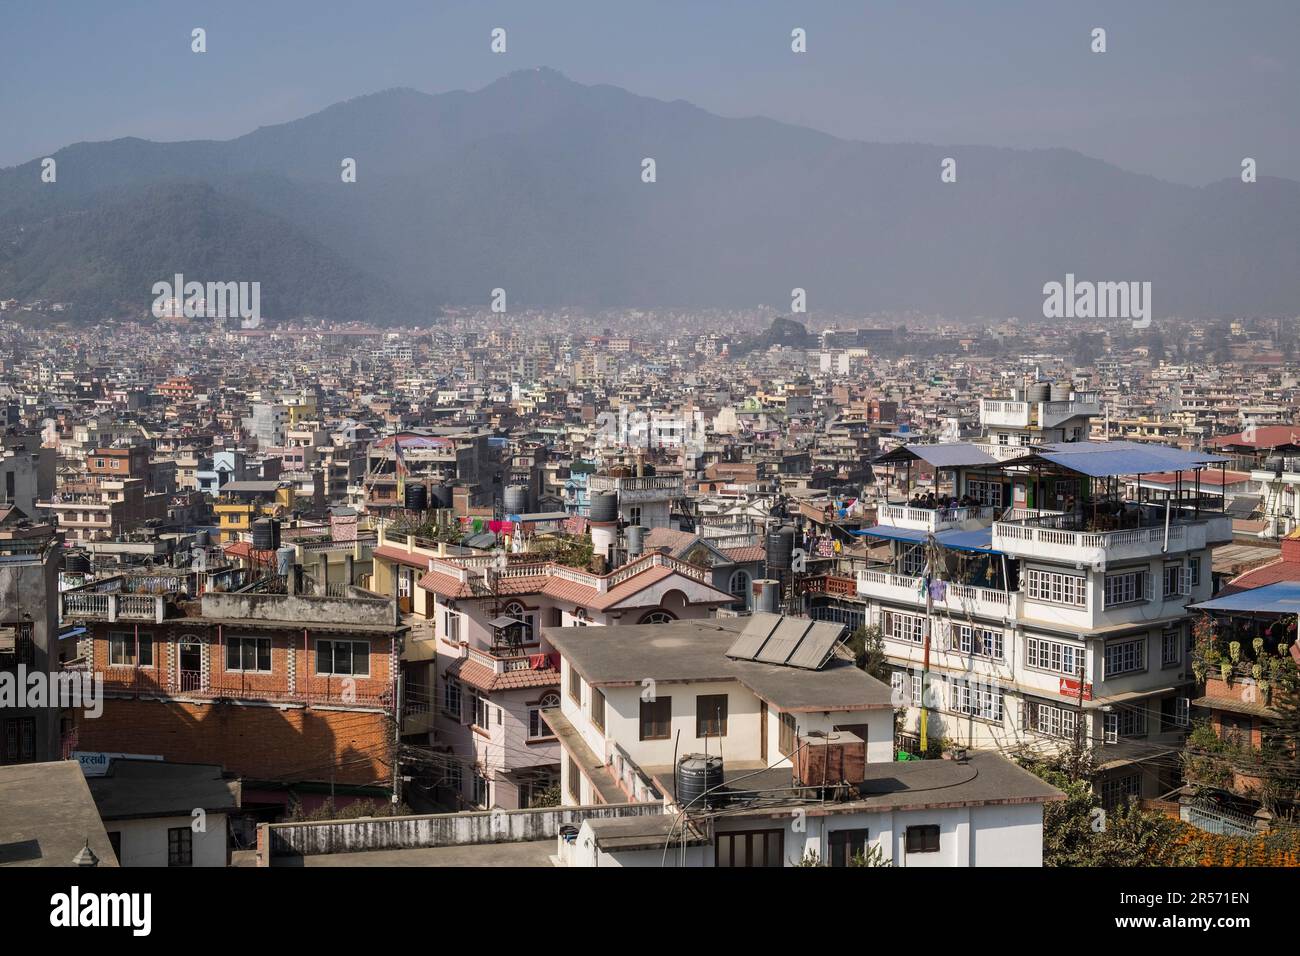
(959, 599)
(1054, 414)
(932, 519)
(633, 490)
(111, 607)
(1004, 414)
(1094, 542)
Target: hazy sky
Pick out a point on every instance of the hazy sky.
(1185, 90)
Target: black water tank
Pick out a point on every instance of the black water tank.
(417, 497)
(76, 562)
(698, 774)
(263, 535)
(440, 496)
(604, 506)
(780, 548)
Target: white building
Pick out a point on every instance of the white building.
(1057, 609)
(806, 746)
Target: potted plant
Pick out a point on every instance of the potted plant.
(1234, 651)
(1225, 671)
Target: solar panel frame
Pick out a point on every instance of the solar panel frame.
(817, 645)
(759, 628)
(784, 641)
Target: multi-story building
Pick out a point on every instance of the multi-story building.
(1032, 627)
(29, 586)
(765, 746)
(296, 694)
(493, 669)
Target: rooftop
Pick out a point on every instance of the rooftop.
(686, 651)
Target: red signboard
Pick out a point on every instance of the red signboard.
(1070, 688)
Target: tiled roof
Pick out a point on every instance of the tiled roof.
(746, 555)
(485, 679)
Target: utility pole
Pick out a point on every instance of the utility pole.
(929, 627)
(397, 744)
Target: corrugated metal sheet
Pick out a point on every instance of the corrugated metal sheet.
(1280, 598)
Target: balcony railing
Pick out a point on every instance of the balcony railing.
(930, 519)
(111, 607)
(956, 598)
(1076, 538)
(220, 685)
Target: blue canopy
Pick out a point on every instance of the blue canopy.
(1280, 598)
(981, 539)
(1108, 459)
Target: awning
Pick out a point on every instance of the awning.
(981, 539)
(1110, 459)
(945, 455)
(1280, 598)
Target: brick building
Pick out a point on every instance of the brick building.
(295, 694)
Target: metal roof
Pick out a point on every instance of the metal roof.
(1108, 459)
(1280, 598)
(980, 539)
(945, 455)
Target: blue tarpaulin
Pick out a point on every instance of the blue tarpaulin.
(1280, 598)
(978, 540)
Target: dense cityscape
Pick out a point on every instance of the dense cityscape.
(549, 472)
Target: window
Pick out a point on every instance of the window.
(657, 617)
(843, 845)
(1056, 587)
(598, 708)
(1171, 646)
(1125, 588)
(575, 685)
(979, 642)
(750, 848)
(518, 612)
(1131, 721)
(20, 740)
(343, 657)
(1171, 578)
(537, 726)
(1052, 720)
(656, 718)
(923, 839)
(575, 781)
(125, 649)
(1194, 572)
(249, 654)
(988, 493)
(1053, 656)
(482, 790)
(711, 715)
(977, 700)
(1125, 657)
(180, 849)
(912, 562)
(452, 700)
(634, 515)
(482, 712)
(905, 627)
(454, 778)
(451, 626)
(789, 731)
(740, 588)
(1117, 790)
(918, 690)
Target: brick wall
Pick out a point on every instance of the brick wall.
(289, 745)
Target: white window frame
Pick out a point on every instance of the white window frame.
(1125, 657)
(908, 628)
(1055, 657)
(1056, 587)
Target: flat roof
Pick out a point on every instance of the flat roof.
(984, 778)
(155, 788)
(49, 815)
(696, 651)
